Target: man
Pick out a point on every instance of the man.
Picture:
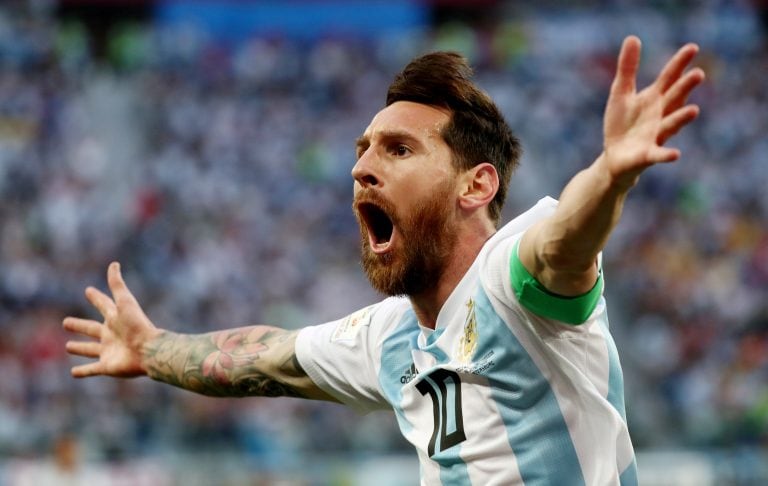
(493, 347)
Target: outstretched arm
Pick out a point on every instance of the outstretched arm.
(561, 251)
(247, 361)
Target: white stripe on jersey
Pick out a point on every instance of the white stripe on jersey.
(494, 435)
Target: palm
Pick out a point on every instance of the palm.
(638, 124)
(632, 127)
(117, 358)
(119, 339)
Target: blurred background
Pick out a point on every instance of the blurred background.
(207, 146)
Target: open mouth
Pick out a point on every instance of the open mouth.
(379, 225)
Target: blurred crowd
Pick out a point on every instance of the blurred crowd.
(219, 176)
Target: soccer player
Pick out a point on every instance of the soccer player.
(492, 347)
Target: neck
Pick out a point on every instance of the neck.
(427, 304)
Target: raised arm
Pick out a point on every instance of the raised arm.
(561, 251)
(246, 361)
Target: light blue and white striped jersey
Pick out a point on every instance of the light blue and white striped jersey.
(496, 394)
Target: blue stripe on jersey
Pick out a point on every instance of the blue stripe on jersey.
(434, 336)
(395, 358)
(432, 347)
(615, 375)
(629, 476)
(453, 469)
(536, 429)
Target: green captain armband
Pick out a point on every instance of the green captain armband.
(537, 299)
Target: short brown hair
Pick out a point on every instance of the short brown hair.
(477, 131)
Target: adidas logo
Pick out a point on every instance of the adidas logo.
(410, 374)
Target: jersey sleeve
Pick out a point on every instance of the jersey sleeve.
(504, 272)
(339, 357)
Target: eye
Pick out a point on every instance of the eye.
(400, 150)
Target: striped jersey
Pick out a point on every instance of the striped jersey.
(514, 386)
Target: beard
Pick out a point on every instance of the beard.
(425, 243)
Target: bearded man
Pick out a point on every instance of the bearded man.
(492, 347)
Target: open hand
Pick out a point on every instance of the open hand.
(119, 340)
(638, 124)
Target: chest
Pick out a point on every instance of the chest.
(463, 386)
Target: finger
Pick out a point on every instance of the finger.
(626, 69)
(657, 155)
(81, 348)
(679, 92)
(100, 301)
(675, 66)
(117, 285)
(83, 371)
(672, 124)
(86, 327)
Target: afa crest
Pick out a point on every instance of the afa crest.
(468, 342)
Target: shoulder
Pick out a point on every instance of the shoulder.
(497, 250)
(543, 208)
(376, 320)
(389, 311)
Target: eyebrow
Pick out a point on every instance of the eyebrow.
(363, 141)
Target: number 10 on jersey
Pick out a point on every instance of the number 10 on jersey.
(444, 388)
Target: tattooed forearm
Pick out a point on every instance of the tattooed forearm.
(248, 361)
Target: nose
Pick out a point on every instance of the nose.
(364, 171)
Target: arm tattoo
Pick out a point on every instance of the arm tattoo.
(248, 361)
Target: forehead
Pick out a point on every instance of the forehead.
(416, 119)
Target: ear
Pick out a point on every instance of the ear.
(478, 186)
